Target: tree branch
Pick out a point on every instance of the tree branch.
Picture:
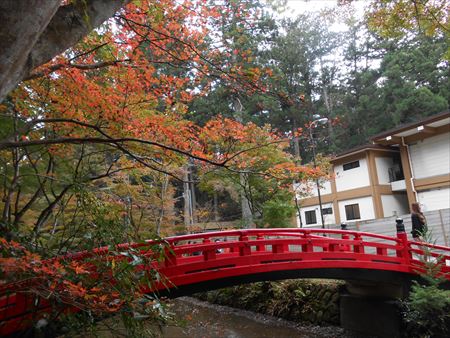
(46, 29)
(59, 66)
(108, 139)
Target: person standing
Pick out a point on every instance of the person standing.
(419, 222)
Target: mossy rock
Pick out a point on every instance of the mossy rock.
(335, 297)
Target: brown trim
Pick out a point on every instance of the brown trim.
(349, 158)
(384, 153)
(359, 152)
(392, 140)
(428, 129)
(341, 195)
(434, 186)
(384, 189)
(373, 174)
(337, 213)
(404, 156)
(310, 201)
(373, 177)
(405, 127)
(355, 193)
(432, 182)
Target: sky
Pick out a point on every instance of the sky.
(306, 6)
(296, 7)
(302, 6)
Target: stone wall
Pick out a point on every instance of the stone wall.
(303, 301)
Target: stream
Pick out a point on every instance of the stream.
(194, 318)
(203, 319)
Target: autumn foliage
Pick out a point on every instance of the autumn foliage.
(93, 140)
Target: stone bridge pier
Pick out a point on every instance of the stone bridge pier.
(372, 309)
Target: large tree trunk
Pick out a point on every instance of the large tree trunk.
(35, 31)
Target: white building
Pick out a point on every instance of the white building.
(425, 152)
(407, 164)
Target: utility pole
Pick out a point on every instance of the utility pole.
(313, 145)
(187, 200)
(190, 217)
(247, 216)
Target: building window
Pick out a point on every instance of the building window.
(327, 211)
(395, 173)
(310, 217)
(351, 165)
(352, 211)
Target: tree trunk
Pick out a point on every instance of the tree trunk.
(164, 187)
(216, 207)
(23, 23)
(247, 217)
(192, 192)
(187, 200)
(35, 31)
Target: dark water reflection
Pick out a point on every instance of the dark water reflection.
(201, 319)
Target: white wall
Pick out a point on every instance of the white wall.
(383, 164)
(431, 156)
(353, 178)
(366, 208)
(438, 223)
(310, 189)
(328, 219)
(394, 204)
(434, 199)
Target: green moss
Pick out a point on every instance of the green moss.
(304, 301)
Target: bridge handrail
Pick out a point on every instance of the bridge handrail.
(181, 249)
(430, 245)
(356, 233)
(274, 232)
(174, 240)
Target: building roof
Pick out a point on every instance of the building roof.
(362, 149)
(381, 143)
(427, 125)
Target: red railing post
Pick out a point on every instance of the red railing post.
(260, 247)
(208, 254)
(308, 247)
(233, 249)
(280, 248)
(403, 241)
(358, 248)
(344, 247)
(244, 248)
(170, 258)
(382, 251)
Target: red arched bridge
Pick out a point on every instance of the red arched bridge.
(205, 261)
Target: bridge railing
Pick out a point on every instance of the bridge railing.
(317, 240)
(314, 240)
(323, 243)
